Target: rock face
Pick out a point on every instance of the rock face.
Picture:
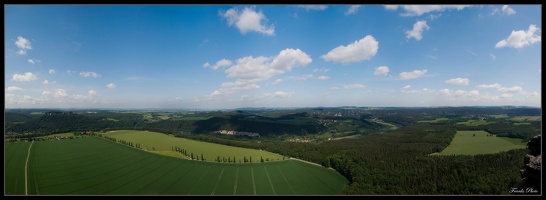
(530, 183)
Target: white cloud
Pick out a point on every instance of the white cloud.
(323, 70)
(417, 10)
(60, 93)
(92, 93)
(206, 65)
(45, 81)
(248, 20)
(304, 77)
(70, 72)
(353, 86)
(33, 61)
(381, 70)
(458, 81)
(277, 81)
(222, 63)
(512, 89)
(179, 99)
(23, 45)
(111, 86)
(421, 91)
(278, 94)
(353, 9)
(413, 74)
(249, 70)
(51, 71)
(364, 49)
(46, 93)
(314, 7)
(490, 86)
(28, 76)
(505, 95)
(90, 74)
(521, 38)
(507, 10)
(14, 88)
(323, 77)
(405, 87)
(417, 31)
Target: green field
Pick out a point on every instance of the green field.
(96, 166)
(163, 144)
(474, 122)
(435, 120)
(465, 143)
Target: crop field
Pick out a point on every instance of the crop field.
(478, 142)
(160, 143)
(435, 120)
(527, 118)
(96, 166)
(474, 122)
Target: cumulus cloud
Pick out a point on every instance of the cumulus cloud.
(46, 93)
(314, 7)
(111, 86)
(249, 70)
(521, 38)
(458, 81)
(92, 93)
(511, 89)
(220, 63)
(421, 91)
(323, 70)
(61, 93)
(504, 10)
(33, 61)
(14, 88)
(406, 87)
(418, 10)
(353, 86)
(207, 64)
(51, 71)
(248, 20)
(507, 10)
(413, 74)
(353, 9)
(417, 31)
(90, 74)
(363, 49)
(23, 44)
(28, 76)
(323, 77)
(277, 94)
(381, 70)
(490, 86)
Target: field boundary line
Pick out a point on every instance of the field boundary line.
(270, 183)
(205, 172)
(253, 183)
(289, 186)
(26, 168)
(217, 181)
(235, 185)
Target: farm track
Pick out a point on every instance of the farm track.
(26, 168)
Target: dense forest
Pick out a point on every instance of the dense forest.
(394, 162)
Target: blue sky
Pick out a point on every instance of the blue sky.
(231, 56)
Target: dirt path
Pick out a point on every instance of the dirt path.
(26, 167)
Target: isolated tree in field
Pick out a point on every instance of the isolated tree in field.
(218, 159)
(261, 159)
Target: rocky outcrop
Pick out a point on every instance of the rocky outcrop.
(530, 183)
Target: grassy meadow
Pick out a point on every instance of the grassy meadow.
(478, 142)
(163, 144)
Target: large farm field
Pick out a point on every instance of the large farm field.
(480, 142)
(96, 166)
(163, 144)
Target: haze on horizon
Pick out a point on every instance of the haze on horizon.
(233, 56)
